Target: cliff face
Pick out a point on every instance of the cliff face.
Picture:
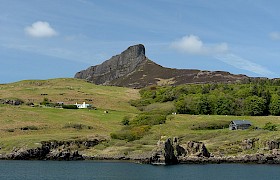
(133, 69)
(116, 67)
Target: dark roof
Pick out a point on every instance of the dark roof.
(239, 122)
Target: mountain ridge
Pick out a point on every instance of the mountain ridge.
(133, 69)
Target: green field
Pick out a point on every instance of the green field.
(48, 123)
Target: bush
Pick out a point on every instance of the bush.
(131, 133)
(70, 106)
(269, 126)
(149, 119)
(140, 102)
(77, 126)
(160, 108)
(29, 128)
(10, 130)
(126, 120)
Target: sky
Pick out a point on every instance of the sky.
(42, 39)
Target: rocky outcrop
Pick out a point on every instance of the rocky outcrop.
(272, 144)
(171, 152)
(14, 102)
(164, 153)
(53, 150)
(116, 67)
(133, 69)
(247, 144)
(252, 158)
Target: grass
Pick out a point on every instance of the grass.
(67, 124)
(217, 139)
(70, 91)
(50, 123)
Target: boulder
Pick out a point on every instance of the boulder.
(248, 143)
(193, 148)
(171, 152)
(164, 153)
(272, 144)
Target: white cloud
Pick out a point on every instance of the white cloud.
(241, 63)
(193, 45)
(40, 29)
(275, 35)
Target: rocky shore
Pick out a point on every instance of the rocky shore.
(53, 150)
(171, 152)
(167, 152)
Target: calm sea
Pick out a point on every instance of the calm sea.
(124, 170)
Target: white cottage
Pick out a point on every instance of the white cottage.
(83, 106)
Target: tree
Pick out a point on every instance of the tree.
(255, 106)
(224, 106)
(188, 104)
(269, 126)
(239, 107)
(274, 106)
(204, 106)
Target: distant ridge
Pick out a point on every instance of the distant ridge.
(133, 69)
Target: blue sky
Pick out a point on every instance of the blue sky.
(41, 39)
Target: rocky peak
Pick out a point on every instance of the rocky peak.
(116, 67)
(133, 69)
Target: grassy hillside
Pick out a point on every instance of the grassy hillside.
(25, 126)
(70, 91)
(218, 141)
(43, 123)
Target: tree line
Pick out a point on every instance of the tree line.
(258, 98)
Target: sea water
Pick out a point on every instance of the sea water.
(126, 170)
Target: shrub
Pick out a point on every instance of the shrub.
(77, 126)
(10, 130)
(70, 106)
(131, 133)
(160, 108)
(29, 128)
(149, 119)
(140, 102)
(269, 126)
(126, 120)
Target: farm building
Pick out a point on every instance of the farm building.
(239, 124)
(84, 105)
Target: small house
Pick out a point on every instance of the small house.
(239, 124)
(83, 106)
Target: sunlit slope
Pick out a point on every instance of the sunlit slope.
(45, 123)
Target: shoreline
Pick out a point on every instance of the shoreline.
(249, 159)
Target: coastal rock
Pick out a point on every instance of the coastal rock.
(164, 154)
(65, 154)
(196, 149)
(54, 150)
(248, 143)
(28, 154)
(273, 144)
(171, 152)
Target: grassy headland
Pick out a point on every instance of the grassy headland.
(25, 126)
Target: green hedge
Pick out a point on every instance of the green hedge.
(69, 106)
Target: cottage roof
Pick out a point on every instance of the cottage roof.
(239, 122)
